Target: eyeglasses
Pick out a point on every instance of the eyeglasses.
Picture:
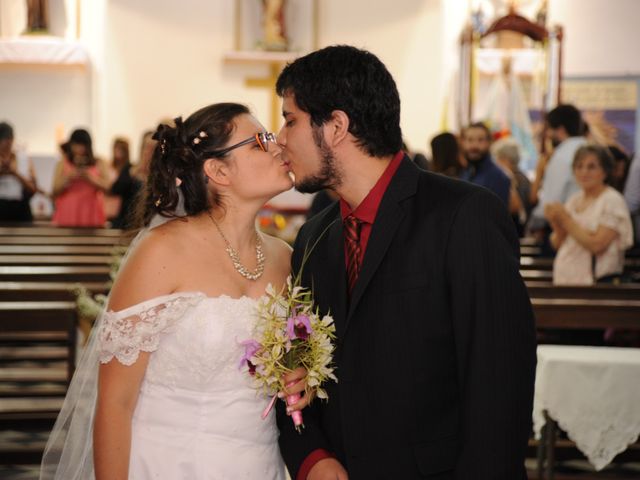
(262, 139)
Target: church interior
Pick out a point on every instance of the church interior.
(536, 80)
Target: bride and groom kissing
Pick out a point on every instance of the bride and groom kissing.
(435, 339)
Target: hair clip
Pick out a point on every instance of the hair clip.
(178, 181)
(158, 202)
(163, 146)
(197, 140)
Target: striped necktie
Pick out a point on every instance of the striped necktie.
(352, 237)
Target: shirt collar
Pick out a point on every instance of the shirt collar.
(368, 208)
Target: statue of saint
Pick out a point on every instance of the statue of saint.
(37, 16)
(275, 37)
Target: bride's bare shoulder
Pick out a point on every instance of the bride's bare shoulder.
(149, 270)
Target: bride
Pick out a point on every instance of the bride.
(170, 401)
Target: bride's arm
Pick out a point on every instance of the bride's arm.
(118, 387)
(143, 277)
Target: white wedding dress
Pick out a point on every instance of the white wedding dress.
(197, 416)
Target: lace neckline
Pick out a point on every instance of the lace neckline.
(195, 294)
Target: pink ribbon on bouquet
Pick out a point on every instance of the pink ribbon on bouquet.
(296, 416)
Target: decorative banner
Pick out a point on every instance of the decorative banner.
(609, 105)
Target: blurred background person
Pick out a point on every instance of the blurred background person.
(632, 195)
(446, 155)
(482, 170)
(79, 183)
(621, 163)
(593, 229)
(126, 186)
(506, 152)
(418, 158)
(555, 182)
(17, 185)
(147, 146)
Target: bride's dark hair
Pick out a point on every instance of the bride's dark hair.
(179, 158)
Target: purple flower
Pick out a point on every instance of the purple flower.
(299, 326)
(251, 346)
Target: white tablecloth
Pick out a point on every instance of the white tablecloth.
(593, 393)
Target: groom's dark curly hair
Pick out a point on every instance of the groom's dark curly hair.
(355, 81)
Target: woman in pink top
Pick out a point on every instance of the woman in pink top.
(79, 184)
(592, 230)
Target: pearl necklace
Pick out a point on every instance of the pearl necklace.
(235, 257)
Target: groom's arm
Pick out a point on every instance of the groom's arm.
(495, 339)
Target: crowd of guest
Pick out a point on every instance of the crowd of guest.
(87, 191)
(580, 203)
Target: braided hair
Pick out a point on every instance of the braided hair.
(178, 161)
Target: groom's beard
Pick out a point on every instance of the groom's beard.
(328, 176)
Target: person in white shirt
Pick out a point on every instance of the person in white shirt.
(592, 230)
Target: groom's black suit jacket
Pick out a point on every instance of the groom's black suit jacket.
(435, 348)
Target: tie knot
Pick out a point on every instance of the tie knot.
(352, 227)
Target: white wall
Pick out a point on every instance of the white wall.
(601, 36)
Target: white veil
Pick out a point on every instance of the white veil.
(68, 454)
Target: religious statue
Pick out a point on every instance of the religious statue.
(37, 16)
(274, 25)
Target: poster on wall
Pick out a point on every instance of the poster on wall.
(609, 106)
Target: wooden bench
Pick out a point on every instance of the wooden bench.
(526, 251)
(37, 353)
(80, 274)
(57, 250)
(625, 291)
(46, 291)
(536, 275)
(54, 260)
(540, 263)
(68, 240)
(59, 232)
(573, 313)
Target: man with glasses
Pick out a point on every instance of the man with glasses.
(435, 352)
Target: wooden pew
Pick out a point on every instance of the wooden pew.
(573, 313)
(53, 260)
(37, 353)
(67, 240)
(59, 232)
(46, 291)
(532, 251)
(536, 275)
(625, 291)
(78, 274)
(541, 263)
(57, 250)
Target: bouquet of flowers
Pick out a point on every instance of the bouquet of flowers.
(290, 334)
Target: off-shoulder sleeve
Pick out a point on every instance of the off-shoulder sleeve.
(615, 215)
(124, 334)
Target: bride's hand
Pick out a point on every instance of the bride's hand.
(296, 382)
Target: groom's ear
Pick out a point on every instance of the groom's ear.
(338, 128)
(216, 172)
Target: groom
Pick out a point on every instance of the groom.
(435, 349)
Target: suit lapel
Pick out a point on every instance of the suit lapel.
(389, 217)
(330, 259)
